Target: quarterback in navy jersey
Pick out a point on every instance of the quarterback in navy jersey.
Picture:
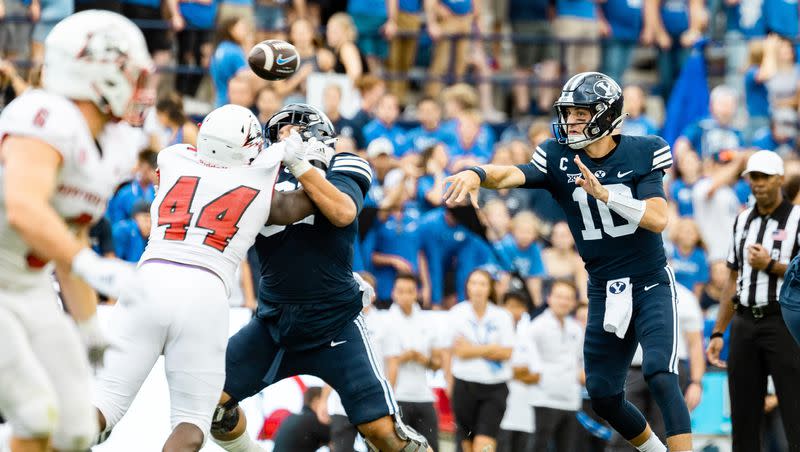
(309, 319)
(610, 187)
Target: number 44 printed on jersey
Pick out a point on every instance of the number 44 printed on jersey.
(220, 216)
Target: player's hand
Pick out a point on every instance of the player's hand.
(294, 154)
(713, 350)
(463, 184)
(111, 277)
(590, 183)
(770, 402)
(757, 256)
(693, 395)
(93, 339)
(321, 411)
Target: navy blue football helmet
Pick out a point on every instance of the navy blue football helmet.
(598, 93)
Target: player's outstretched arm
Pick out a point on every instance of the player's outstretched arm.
(650, 214)
(486, 176)
(289, 207)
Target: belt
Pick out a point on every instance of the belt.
(758, 312)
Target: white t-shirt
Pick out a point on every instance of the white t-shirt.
(410, 332)
(558, 358)
(690, 320)
(206, 216)
(519, 415)
(495, 327)
(86, 179)
(715, 217)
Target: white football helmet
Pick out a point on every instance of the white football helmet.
(229, 136)
(102, 57)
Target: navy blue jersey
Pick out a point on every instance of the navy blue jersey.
(610, 246)
(311, 261)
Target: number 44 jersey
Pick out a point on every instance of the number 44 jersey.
(206, 216)
(611, 246)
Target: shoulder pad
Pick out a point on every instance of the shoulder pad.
(354, 166)
(659, 154)
(44, 116)
(549, 148)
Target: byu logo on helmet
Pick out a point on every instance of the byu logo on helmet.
(617, 287)
(604, 89)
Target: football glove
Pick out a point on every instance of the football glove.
(294, 154)
(111, 277)
(93, 339)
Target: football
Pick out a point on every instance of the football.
(274, 59)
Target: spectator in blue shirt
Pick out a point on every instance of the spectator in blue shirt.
(430, 186)
(680, 190)
(331, 99)
(578, 20)
(680, 26)
(395, 250)
(370, 17)
(141, 188)
(755, 92)
(385, 125)
(636, 123)
(130, 236)
(710, 137)
(688, 259)
(624, 21)
(430, 131)
(519, 251)
(371, 89)
(229, 57)
(781, 17)
(194, 42)
(781, 135)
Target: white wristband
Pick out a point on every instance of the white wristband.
(299, 168)
(627, 207)
(84, 261)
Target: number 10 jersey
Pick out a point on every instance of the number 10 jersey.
(206, 216)
(611, 246)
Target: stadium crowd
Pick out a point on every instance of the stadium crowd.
(494, 69)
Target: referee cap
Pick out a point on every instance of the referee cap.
(765, 162)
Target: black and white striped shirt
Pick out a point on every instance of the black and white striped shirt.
(778, 234)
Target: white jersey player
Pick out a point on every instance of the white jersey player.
(62, 154)
(210, 206)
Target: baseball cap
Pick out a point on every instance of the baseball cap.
(766, 162)
(380, 146)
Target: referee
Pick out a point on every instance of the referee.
(765, 238)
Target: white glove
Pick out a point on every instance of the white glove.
(294, 154)
(93, 338)
(108, 276)
(319, 150)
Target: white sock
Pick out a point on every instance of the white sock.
(653, 444)
(241, 444)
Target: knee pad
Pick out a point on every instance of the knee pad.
(416, 442)
(621, 414)
(667, 393)
(226, 416)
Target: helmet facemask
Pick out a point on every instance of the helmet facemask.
(600, 124)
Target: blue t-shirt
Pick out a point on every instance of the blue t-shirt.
(148, 3)
(397, 237)
(640, 126)
(410, 6)
(690, 269)
(481, 148)
(375, 8)
(780, 16)
(709, 138)
(675, 16)
(458, 7)
(527, 261)
(376, 129)
(128, 241)
(228, 59)
(425, 184)
(625, 19)
(763, 139)
(755, 94)
(420, 138)
(121, 204)
(681, 193)
(584, 9)
(199, 14)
